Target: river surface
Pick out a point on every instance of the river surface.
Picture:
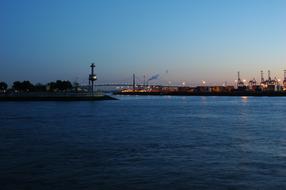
(144, 142)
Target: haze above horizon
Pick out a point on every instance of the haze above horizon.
(180, 40)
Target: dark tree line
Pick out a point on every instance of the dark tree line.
(27, 86)
(60, 85)
(3, 86)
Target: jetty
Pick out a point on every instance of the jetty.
(53, 91)
(54, 97)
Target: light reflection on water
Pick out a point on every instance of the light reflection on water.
(244, 99)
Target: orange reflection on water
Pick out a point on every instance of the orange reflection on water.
(244, 99)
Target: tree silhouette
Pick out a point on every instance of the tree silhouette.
(60, 86)
(40, 88)
(3, 86)
(17, 85)
(25, 86)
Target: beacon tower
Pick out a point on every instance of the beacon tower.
(92, 77)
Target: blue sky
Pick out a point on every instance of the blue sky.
(182, 40)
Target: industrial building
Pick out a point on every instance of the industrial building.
(268, 86)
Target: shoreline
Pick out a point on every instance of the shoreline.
(27, 97)
(237, 93)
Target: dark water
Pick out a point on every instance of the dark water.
(144, 143)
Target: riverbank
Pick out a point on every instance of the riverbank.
(234, 93)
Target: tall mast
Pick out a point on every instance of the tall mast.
(269, 77)
(238, 77)
(262, 78)
(134, 82)
(92, 77)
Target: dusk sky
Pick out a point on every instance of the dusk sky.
(181, 40)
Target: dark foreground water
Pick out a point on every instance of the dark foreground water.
(144, 143)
